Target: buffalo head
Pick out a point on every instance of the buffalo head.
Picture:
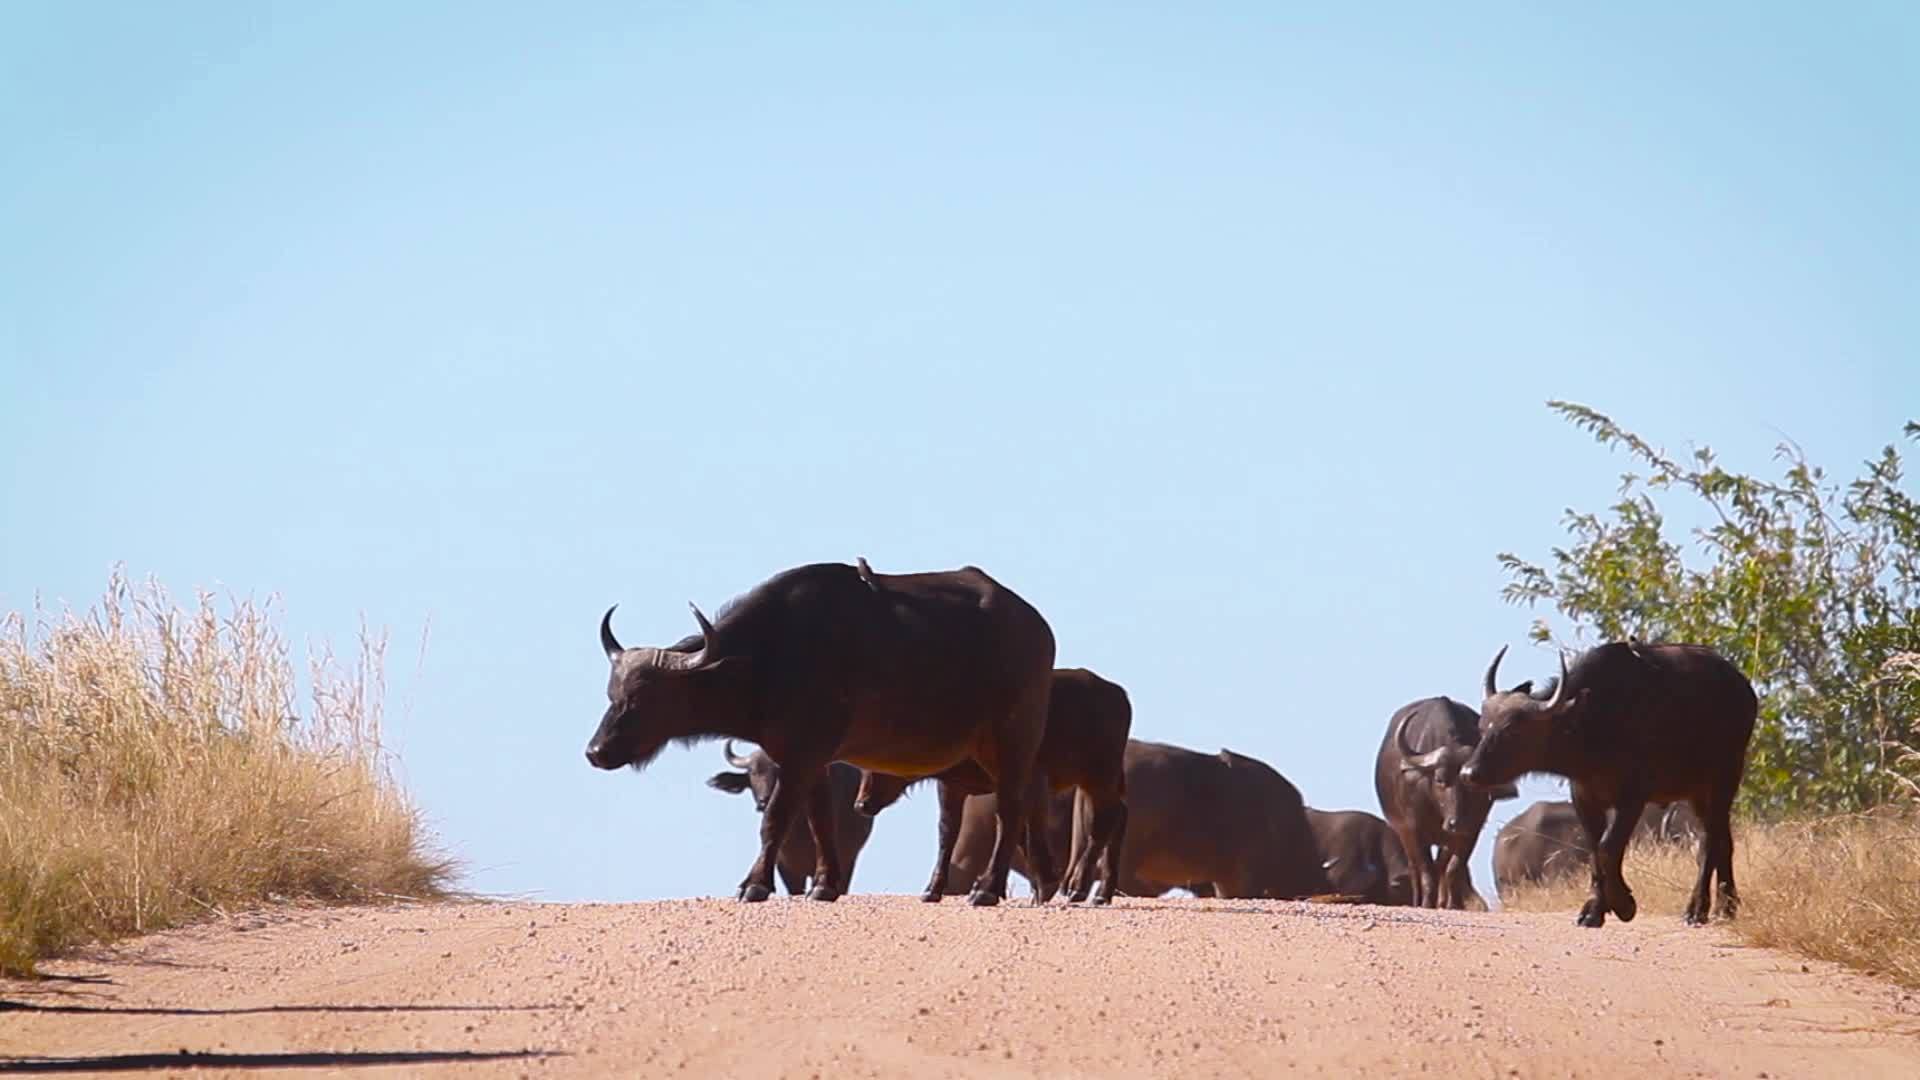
(1516, 725)
(1463, 804)
(755, 772)
(655, 696)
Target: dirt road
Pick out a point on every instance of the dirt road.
(886, 986)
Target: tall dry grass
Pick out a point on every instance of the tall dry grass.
(155, 766)
(1845, 889)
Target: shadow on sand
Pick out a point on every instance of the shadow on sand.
(320, 1059)
(249, 1010)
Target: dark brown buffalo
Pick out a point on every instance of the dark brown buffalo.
(1361, 856)
(975, 842)
(1214, 824)
(1626, 724)
(757, 773)
(1084, 750)
(1545, 842)
(911, 674)
(1437, 816)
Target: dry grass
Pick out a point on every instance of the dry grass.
(154, 767)
(1845, 889)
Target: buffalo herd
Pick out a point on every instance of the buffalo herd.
(856, 685)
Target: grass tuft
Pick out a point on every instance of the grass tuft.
(155, 767)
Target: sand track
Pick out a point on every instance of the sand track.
(886, 986)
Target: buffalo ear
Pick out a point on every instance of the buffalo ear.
(733, 783)
(1505, 791)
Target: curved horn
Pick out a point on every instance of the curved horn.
(1493, 670)
(607, 641)
(1559, 688)
(1411, 758)
(706, 628)
(734, 759)
(1400, 739)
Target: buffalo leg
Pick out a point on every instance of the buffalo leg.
(1108, 820)
(795, 883)
(1426, 889)
(1011, 823)
(1454, 886)
(790, 792)
(1707, 861)
(1018, 739)
(1716, 857)
(1727, 903)
(1040, 869)
(952, 802)
(1089, 844)
(1075, 883)
(1609, 858)
(827, 883)
(1593, 821)
(1116, 833)
(1610, 855)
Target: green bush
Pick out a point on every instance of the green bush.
(1809, 586)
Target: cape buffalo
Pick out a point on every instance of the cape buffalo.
(1084, 749)
(1362, 856)
(1628, 723)
(975, 842)
(1214, 824)
(1545, 842)
(757, 773)
(1418, 779)
(817, 665)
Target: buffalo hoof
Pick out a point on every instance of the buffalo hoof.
(1100, 901)
(754, 893)
(1626, 906)
(826, 894)
(983, 898)
(1593, 914)
(1727, 905)
(931, 896)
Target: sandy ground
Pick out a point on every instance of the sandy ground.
(887, 986)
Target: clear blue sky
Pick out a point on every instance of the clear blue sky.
(1222, 336)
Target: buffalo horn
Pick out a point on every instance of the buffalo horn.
(706, 631)
(1559, 688)
(734, 759)
(1493, 670)
(1411, 758)
(607, 641)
